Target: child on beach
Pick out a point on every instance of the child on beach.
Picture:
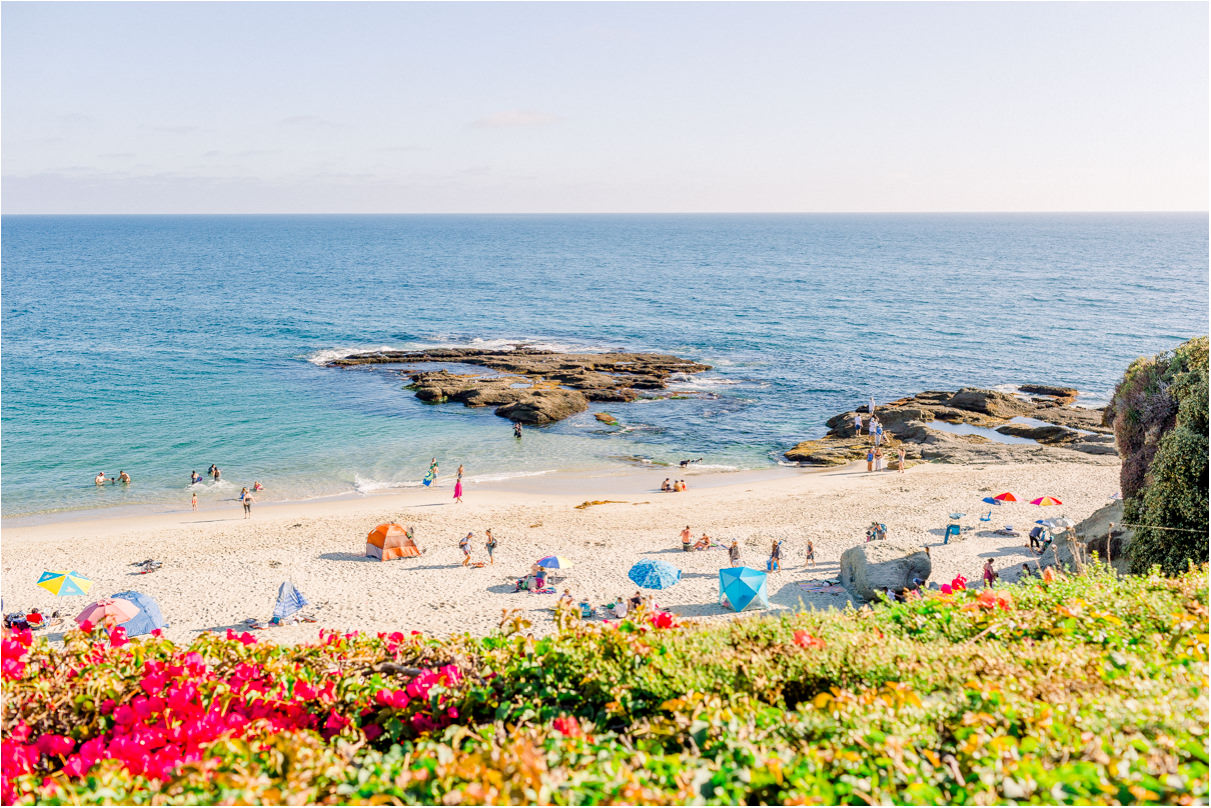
(465, 546)
(990, 575)
(775, 557)
(900, 453)
(870, 460)
(194, 501)
(811, 554)
(733, 553)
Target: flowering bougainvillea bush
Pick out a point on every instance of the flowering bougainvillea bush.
(1080, 690)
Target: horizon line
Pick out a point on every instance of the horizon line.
(612, 213)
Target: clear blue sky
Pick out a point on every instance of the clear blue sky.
(469, 107)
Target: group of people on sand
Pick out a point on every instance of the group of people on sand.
(774, 564)
(122, 477)
(431, 477)
(874, 458)
(676, 485)
(877, 437)
(464, 544)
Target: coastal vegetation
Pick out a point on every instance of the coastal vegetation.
(1159, 414)
(1078, 690)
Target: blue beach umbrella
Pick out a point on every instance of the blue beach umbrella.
(653, 574)
(147, 620)
(61, 583)
(553, 563)
(991, 500)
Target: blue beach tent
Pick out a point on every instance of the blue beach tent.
(742, 588)
(653, 574)
(147, 620)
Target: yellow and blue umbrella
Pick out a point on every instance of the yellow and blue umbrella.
(65, 583)
(553, 562)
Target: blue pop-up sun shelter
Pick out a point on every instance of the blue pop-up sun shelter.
(742, 588)
(147, 620)
(654, 574)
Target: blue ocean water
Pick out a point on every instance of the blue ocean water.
(162, 344)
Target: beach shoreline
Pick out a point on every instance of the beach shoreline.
(221, 569)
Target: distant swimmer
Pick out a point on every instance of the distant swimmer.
(685, 463)
(213, 468)
(218, 474)
(194, 477)
(123, 478)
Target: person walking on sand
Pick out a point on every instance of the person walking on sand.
(490, 546)
(810, 560)
(465, 546)
(458, 489)
(247, 504)
(431, 474)
(870, 459)
(900, 453)
(775, 557)
(733, 553)
(990, 575)
(194, 501)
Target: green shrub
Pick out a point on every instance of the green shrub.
(1159, 413)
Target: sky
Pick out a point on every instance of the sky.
(509, 107)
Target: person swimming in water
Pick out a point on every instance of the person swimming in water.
(194, 477)
(100, 478)
(123, 477)
(517, 429)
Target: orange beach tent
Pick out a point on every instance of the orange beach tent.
(390, 541)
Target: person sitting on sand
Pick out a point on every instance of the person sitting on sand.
(685, 539)
(464, 544)
(620, 607)
(703, 543)
(635, 600)
(100, 478)
(666, 486)
(681, 485)
(540, 579)
(733, 553)
(123, 477)
(566, 597)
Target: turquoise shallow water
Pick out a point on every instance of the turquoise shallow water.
(164, 344)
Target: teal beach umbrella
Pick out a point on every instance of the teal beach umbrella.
(653, 574)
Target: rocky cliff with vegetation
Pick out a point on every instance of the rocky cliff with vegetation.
(1159, 416)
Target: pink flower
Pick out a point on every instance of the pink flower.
(805, 640)
(303, 691)
(372, 731)
(568, 726)
(117, 636)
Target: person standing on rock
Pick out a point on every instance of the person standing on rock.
(872, 405)
(878, 434)
(857, 424)
(874, 424)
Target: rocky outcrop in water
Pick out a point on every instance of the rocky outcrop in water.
(530, 385)
(931, 426)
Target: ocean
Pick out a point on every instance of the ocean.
(161, 344)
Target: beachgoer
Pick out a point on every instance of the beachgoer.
(256, 486)
(431, 474)
(900, 453)
(683, 486)
(210, 471)
(775, 557)
(878, 459)
(218, 474)
(990, 575)
(872, 405)
(703, 543)
(194, 477)
(123, 477)
(874, 424)
(490, 546)
(540, 580)
(1036, 538)
(566, 597)
(243, 493)
(685, 539)
(517, 429)
(100, 478)
(733, 553)
(1025, 573)
(620, 607)
(635, 600)
(247, 504)
(465, 545)
(811, 554)
(459, 473)
(194, 502)
(666, 486)
(879, 435)
(458, 489)
(858, 424)
(870, 459)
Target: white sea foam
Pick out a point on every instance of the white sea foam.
(366, 485)
(494, 478)
(326, 355)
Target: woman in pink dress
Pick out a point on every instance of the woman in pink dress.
(458, 485)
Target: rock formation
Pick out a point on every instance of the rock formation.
(529, 385)
(1057, 430)
(879, 565)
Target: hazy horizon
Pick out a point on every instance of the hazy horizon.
(604, 108)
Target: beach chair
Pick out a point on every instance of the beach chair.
(986, 517)
(951, 530)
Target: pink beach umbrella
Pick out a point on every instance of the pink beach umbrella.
(1046, 501)
(116, 609)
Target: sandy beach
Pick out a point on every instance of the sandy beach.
(220, 568)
